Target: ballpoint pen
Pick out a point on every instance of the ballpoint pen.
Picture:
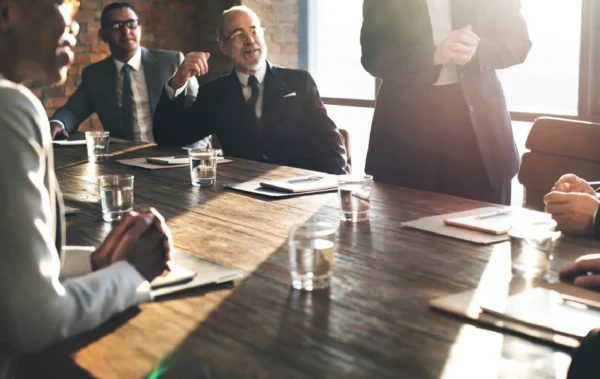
(308, 179)
(494, 214)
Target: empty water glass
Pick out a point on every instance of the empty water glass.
(203, 167)
(311, 247)
(355, 194)
(531, 246)
(97, 145)
(116, 196)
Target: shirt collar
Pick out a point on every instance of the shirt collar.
(135, 62)
(260, 75)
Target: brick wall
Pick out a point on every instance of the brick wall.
(280, 19)
(183, 25)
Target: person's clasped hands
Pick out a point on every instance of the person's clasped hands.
(142, 239)
(460, 46)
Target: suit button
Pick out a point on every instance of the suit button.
(471, 108)
(265, 157)
(462, 75)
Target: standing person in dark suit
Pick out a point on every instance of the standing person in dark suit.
(259, 111)
(441, 122)
(124, 88)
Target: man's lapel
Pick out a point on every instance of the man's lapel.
(275, 89)
(152, 76)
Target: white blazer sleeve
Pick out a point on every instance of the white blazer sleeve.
(36, 308)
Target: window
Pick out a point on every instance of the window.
(334, 49)
(548, 81)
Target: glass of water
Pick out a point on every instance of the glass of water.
(311, 247)
(355, 194)
(97, 146)
(531, 245)
(116, 196)
(203, 167)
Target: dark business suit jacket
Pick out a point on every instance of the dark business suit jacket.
(98, 90)
(294, 130)
(397, 46)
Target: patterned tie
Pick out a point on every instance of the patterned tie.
(127, 103)
(253, 83)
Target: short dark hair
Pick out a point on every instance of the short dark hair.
(111, 7)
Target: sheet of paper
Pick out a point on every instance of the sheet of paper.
(141, 162)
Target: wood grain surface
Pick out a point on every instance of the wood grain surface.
(374, 321)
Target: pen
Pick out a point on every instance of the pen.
(494, 214)
(308, 179)
(591, 304)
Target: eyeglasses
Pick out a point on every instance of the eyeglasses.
(120, 25)
(240, 37)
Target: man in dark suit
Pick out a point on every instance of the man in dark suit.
(259, 111)
(124, 88)
(441, 121)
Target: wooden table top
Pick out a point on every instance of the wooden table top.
(374, 321)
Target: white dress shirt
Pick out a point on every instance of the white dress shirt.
(246, 89)
(45, 298)
(142, 111)
(440, 13)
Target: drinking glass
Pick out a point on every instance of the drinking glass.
(355, 194)
(97, 146)
(116, 196)
(531, 245)
(203, 167)
(311, 248)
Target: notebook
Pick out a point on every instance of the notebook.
(496, 221)
(192, 271)
(176, 274)
(256, 188)
(301, 184)
(69, 142)
(548, 310)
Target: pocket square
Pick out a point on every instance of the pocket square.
(290, 94)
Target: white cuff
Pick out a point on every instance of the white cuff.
(59, 122)
(142, 287)
(172, 93)
(76, 261)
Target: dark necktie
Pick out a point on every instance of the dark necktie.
(127, 103)
(253, 83)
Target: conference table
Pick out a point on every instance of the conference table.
(373, 322)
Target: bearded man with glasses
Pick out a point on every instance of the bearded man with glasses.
(49, 291)
(259, 112)
(123, 89)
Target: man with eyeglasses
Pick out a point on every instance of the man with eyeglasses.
(49, 291)
(123, 89)
(259, 112)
